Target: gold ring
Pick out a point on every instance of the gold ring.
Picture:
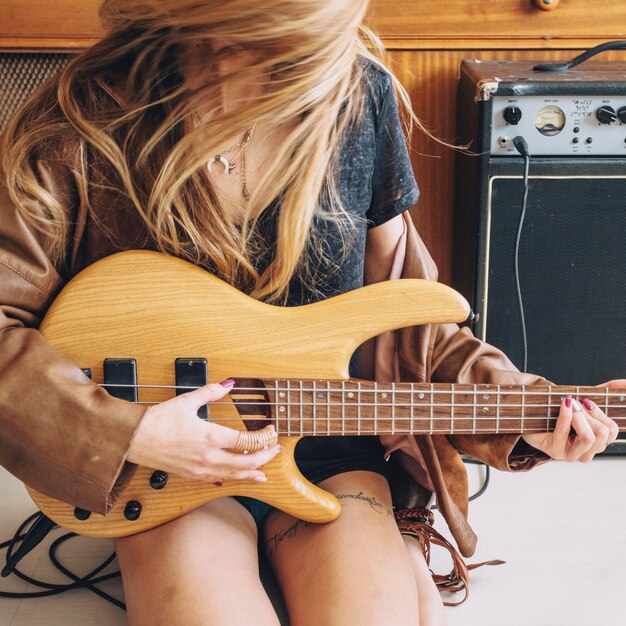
(253, 441)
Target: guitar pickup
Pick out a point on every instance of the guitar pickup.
(192, 373)
(120, 378)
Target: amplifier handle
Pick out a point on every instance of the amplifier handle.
(547, 5)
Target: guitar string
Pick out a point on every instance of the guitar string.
(443, 405)
(457, 391)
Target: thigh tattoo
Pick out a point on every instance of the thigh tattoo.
(291, 531)
(374, 504)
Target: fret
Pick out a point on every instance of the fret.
(288, 408)
(375, 408)
(497, 407)
(343, 407)
(358, 408)
(432, 408)
(452, 408)
(277, 421)
(548, 410)
(328, 407)
(474, 409)
(522, 409)
(314, 404)
(393, 408)
(301, 412)
(411, 406)
(606, 401)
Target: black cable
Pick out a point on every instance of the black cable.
(49, 589)
(483, 487)
(485, 482)
(577, 60)
(522, 148)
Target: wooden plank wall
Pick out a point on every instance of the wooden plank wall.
(426, 40)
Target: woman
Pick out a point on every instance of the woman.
(261, 140)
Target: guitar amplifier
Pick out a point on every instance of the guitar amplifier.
(571, 260)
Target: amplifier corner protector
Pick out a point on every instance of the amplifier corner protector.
(486, 88)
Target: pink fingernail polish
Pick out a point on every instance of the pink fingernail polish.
(568, 402)
(219, 483)
(588, 404)
(229, 382)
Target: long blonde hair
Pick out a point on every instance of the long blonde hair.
(311, 48)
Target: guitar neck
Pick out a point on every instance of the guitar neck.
(355, 407)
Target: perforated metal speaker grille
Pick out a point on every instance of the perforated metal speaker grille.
(573, 277)
(21, 74)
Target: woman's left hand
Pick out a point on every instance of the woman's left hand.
(582, 430)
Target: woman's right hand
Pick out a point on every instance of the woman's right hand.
(172, 438)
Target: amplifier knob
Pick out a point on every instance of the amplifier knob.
(512, 115)
(606, 115)
(621, 114)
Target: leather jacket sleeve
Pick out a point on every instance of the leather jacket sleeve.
(60, 433)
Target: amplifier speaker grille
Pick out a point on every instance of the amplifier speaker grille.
(572, 274)
(21, 74)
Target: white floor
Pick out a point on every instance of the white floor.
(560, 528)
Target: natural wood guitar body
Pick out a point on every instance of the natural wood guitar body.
(155, 308)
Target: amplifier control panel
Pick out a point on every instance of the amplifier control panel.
(560, 125)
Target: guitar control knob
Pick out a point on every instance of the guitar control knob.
(132, 511)
(606, 115)
(512, 115)
(621, 114)
(81, 514)
(158, 480)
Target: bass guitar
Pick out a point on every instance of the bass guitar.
(146, 326)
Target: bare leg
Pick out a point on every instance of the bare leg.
(355, 570)
(432, 611)
(199, 570)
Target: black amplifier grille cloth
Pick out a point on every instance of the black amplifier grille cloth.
(572, 273)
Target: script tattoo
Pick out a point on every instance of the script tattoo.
(288, 533)
(291, 531)
(372, 501)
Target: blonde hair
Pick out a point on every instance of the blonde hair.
(312, 50)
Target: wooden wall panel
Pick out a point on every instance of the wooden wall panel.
(508, 21)
(65, 24)
(407, 23)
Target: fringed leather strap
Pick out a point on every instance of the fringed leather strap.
(418, 523)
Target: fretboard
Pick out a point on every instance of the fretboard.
(353, 407)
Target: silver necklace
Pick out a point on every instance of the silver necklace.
(229, 167)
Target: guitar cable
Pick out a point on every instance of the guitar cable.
(483, 487)
(522, 147)
(89, 581)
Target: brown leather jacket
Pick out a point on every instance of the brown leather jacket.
(68, 438)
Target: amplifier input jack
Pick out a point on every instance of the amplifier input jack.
(503, 141)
